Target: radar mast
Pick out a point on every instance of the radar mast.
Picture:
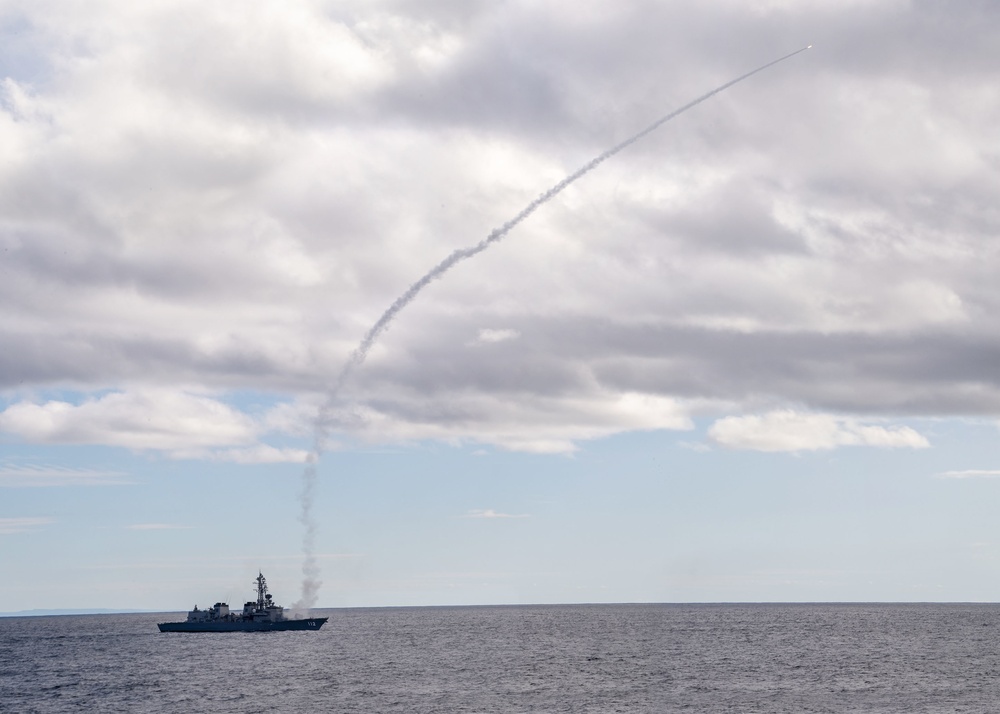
(262, 594)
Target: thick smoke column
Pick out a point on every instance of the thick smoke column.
(360, 353)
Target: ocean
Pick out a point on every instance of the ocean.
(558, 658)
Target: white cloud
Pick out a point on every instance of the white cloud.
(787, 430)
(9, 526)
(971, 473)
(181, 424)
(490, 513)
(260, 454)
(159, 419)
(30, 475)
(528, 423)
(497, 335)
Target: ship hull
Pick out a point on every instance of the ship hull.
(311, 623)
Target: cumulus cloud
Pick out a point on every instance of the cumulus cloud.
(786, 430)
(226, 198)
(261, 454)
(181, 424)
(147, 419)
(535, 424)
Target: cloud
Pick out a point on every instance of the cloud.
(182, 424)
(490, 513)
(787, 430)
(491, 335)
(261, 454)
(970, 473)
(145, 419)
(30, 475)
(9, 526)
(532, 423)
(196, 203)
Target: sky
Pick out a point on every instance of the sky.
(753, 357)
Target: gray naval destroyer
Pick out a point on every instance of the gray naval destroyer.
(260, 616)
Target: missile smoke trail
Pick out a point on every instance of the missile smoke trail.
(360, 353)
(310, 568)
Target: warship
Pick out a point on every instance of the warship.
(260, 616)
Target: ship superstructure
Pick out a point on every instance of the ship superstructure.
(261, 616)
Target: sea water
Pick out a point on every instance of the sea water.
(579, 658)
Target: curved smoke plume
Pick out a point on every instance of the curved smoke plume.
(310, 570)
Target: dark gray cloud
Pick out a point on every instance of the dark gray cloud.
(928, 374)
